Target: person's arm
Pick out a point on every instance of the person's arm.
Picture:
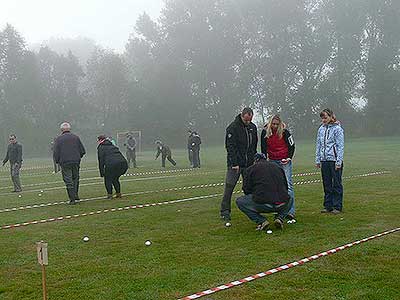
(231, 146)
(100, 157)
(264, 142)
(158, 152)
(82, 150)
(318, 150)
(19, 154)
(339, 141)
(290, 143)
(248, 183)
(5, 160)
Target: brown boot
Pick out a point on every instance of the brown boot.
(109, 196)
(119, 195)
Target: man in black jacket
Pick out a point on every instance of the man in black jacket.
(68, 152)
(165, 152)
(266, 190)
(195, 143)
(241, 145)
(14, 155)
(131, 150)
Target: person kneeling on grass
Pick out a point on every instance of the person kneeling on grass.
(112, 164)
(266, 191)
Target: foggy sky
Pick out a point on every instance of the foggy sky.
(107, 22)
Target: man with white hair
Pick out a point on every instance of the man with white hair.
(68, 152)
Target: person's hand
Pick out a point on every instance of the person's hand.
(318, 166)
(338, 167)
(3, 163)
(285, 161)
(236, 168)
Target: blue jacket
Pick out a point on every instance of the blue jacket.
(330, 144)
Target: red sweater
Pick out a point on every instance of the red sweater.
(277, 148)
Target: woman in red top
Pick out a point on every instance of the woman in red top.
(277, 144)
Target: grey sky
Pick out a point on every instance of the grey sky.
(107, 22)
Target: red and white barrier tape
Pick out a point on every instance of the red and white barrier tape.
(62, 218)
(98, 177)
(284, 267)
(99, 182)
(102, 197)
(41, 205)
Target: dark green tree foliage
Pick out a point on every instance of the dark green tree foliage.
(202, 61)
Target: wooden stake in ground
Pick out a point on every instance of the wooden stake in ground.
(41, 248)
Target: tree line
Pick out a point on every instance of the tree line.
(198, 64)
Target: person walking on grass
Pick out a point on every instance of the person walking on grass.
(241, 145)
(14, 156)
(68, 152)
(112, 164)
(165, 152)
(329, 158)
(278, 145)
(131, 150)
(265, 191)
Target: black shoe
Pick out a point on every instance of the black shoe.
(71, 202)
(109, 196)
(226, 218)
(290, 217)
(278, 223)
(263, 226)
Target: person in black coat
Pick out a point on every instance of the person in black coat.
(265, 191)
(112, 164)
(165, 152)
(14, 155)
(68, 152)
(195, 143)
(241, 146)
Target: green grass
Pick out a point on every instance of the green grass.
(191, 250)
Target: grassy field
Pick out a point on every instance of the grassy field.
(191, 249)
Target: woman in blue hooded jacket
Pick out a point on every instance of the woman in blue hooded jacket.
(329, 158)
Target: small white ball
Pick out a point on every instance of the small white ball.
(40, 195)
(41, 191)
(228, 224)
(147, 243)
(269, 231)
(19, 196)
(86, 239)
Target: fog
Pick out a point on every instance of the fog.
(163, 67)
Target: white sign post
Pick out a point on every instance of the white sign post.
(43, 260)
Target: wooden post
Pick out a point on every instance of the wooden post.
(41, 248)
(44, 282)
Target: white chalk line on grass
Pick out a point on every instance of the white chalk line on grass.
(61, 218)
(100, 178)
(99, 183)
(285, 267)
(43, 205)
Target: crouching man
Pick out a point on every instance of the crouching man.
(265, 191)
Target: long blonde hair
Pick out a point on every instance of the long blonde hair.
(280, 128)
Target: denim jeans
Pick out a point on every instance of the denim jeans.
(288, 169)
(333, 188)
(14, 171)
(253, 210)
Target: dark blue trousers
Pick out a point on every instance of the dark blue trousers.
(333, 188)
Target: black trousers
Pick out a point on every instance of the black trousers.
(196, 158)
(70, 174)
(131, 156)
(164, 156)
(111, 176)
